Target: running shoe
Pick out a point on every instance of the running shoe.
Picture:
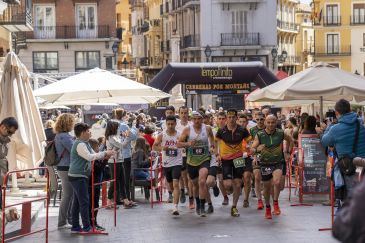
(225, 201)
(246, 204)
(276, 209)
(260, 204)
(210, 209)
(65, 226)
(182, 198)
(202, 212)
(234, 212)
(191, 203)
(76, 230)
(170, 200)
(268, 213)
(175, 212)
(100, 228)
(215, 191)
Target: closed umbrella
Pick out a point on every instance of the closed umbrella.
(17, 100)
(99, 86)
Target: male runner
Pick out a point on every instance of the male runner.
(229, 143)
(184, 181)
(196, 139)
(221, 123)
(260, 120)
(247, 175)
(171, 158)
(269, 144)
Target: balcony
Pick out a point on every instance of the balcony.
(145, 27)
(17, 17)
(190, 41)
(144, 62)
(329, 21)
(240, 39)
(291, 60)
(334, 51)
(190, 2)
(357, 20)
(69, 32)
(287, 26)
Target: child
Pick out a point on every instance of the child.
(99, 166)
(79, 171)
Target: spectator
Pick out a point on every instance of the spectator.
(342, 136)
(309, 125)
(140, 159)
(98, 177)
(8, 127)
(148, 135)
(80, 169)
(64, 142)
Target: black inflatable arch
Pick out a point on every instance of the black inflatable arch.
(212, 73)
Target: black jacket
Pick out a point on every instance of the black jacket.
(349, 226)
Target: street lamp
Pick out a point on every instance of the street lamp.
(115, 51)
(274, 54)
(281, 58)
(208, 52)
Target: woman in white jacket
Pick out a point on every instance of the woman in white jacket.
(115, 142)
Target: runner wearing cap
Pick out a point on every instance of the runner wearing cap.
(229, 143)
(269, 144)
(166, 142)
(260, 120)
(196, 139)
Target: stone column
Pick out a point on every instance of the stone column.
(177, 99)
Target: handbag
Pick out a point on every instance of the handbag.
(346, 163)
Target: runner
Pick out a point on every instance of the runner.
(221, 123)
(185, 182)
(268, 143)
(247, 175)
(229, 141)
(260, 120)
(196, 138)
(171, 158)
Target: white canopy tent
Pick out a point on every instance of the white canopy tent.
(315, 84)
(98, 86)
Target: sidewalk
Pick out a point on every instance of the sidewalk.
(145, 225)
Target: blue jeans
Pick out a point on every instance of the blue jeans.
(80, 203)
(141, 174)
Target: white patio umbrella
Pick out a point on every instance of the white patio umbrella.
(99, 86)
(317, 83)
(17, 100)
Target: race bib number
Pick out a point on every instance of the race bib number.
(198, 151)
(171, 152)
(239, 162)
(266, 170)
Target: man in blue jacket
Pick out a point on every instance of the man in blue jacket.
(342, 136)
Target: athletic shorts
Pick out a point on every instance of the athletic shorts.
(284, 168)
(267, 170)
(172, 173)
(213, 171)
(219, 169)
(230, 172)
(183, 167)
(193, 171)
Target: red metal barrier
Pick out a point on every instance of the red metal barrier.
(26, 209)
(157, 181)
(103, 184)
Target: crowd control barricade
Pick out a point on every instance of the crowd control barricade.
(157, 177)
(293, 167)
(104, 204)
(26, 216)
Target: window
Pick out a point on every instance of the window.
(87, 60)
(332, 17)
(44, 62)
(44, 22)
(239, 22)
(358, 13)
(109, 63)
(86, 20)
(363, 39)
(333, 44)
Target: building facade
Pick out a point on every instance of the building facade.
(335, 25)
(69, 36)
(305, 37)
(124, 34)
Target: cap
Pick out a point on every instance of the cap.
(197, 114)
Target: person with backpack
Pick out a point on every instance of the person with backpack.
(63, 143)
(348, 139)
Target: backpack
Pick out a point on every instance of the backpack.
(50, 156)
